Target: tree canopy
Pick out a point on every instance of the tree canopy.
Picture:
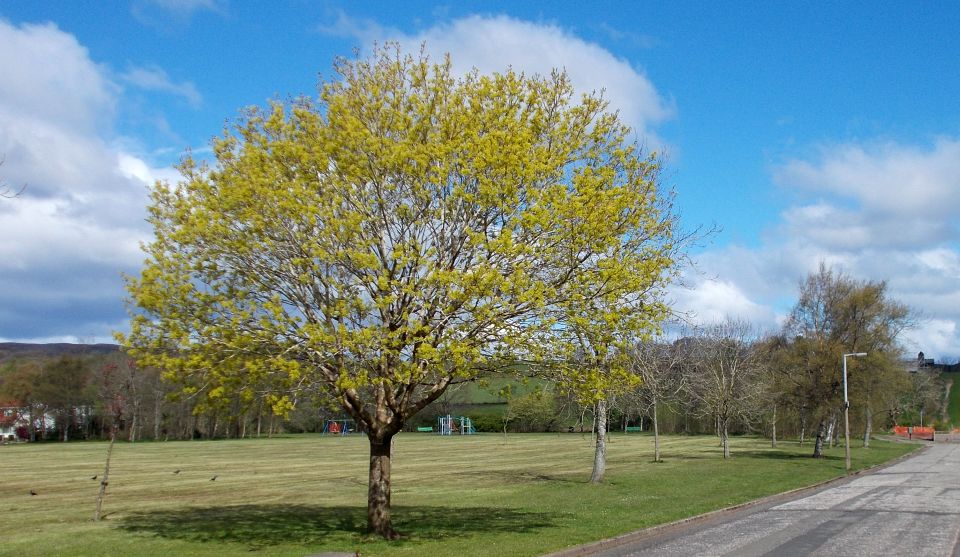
(836, 314)
(409, 229)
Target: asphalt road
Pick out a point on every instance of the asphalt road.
(909, 509)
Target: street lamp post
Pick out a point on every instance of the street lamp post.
(846, 406)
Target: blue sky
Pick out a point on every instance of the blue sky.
(806, 131)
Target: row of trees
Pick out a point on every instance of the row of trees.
(728, 376)
(731, 374)
(77, 396)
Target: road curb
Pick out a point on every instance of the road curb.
(639, 535)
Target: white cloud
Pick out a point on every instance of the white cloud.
(492, 44)
(933, 337)
(714, 301)
(902, 196)
(903, 181)
(78, 224)
(153, 78)
(71, 92)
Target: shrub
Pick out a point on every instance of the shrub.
(487, 422)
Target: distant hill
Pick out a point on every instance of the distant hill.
(14, 350)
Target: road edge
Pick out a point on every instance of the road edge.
(590, 548)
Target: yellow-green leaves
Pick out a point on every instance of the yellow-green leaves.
(407, 228)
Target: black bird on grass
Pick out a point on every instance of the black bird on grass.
(177, 471)
(213, 479)
(93, 477)
(32, 492)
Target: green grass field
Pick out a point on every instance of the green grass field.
(298, 495)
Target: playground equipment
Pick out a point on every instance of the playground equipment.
(448, 425)
(338, 427)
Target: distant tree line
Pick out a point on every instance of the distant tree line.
(74, 397)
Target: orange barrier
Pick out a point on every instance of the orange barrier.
(913, 432)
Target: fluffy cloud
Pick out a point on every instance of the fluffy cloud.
(905, 181)
(903, 196)
(715, 300)
(76, 227)
(492, 44)
(71, 92)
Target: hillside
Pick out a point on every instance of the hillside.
(952, 380)
(16, 350)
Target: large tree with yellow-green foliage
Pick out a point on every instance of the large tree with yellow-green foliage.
(409, 229)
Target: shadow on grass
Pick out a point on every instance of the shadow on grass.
(269, 525)
(780, 455)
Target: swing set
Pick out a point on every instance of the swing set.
(338, 427)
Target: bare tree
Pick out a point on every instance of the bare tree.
(723, 375)
(659, 366)
(114, 390)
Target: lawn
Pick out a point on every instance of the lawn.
(296, 495)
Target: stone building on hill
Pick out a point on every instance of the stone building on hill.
(925, 364)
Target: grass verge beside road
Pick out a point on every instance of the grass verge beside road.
(474, 495)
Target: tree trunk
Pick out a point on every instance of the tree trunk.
(106, 473)
(725, 439)
(821, 435)
(600, 454)
(593, 421)
(868, 430)
(773, 428)
(803, 425)
(33, 424)
(378, 491)
(132, 434)
(157, 413)
(832, 430)
(656, 433)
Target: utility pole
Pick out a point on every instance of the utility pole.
(846, 407)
